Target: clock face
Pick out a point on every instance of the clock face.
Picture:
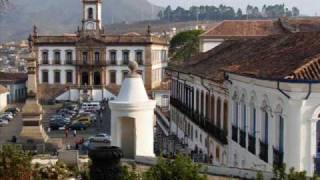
(90, 26)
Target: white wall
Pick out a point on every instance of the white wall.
(3, 101)
(208, 44)
(63, 73)
(298, 112)
(51, 53)
(132, 52)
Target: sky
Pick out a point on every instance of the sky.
(307, 7)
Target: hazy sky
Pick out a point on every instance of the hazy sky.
(309, 7)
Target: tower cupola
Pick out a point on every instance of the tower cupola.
(92, 18)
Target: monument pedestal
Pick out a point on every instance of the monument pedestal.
(32, 131)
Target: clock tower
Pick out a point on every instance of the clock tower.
(91, 20)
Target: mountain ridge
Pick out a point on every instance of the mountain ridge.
(63, 16)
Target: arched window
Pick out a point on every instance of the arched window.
(202, 103)
(225, 116)
(253, 119)
(219, 112)
(212, 109)
(208, 106)
(279, 126)
(264, 126)
(90, 13)
(264, 138)
(235, 111)
(197, 101)
(243, 114)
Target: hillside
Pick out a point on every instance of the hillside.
(58, 16)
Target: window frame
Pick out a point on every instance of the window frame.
(69, 82)
(69, 59)
(42, 76)
(125, 59)
(45, 60)
(54, 77)
(115, 76)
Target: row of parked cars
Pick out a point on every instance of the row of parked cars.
(8, 116)
(75, 116)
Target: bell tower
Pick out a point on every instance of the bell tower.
(91, 19)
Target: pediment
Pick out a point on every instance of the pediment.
(91, 41)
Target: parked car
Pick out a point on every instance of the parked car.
(13, 110)
(57, 125)
(102, 137)
(86, 120)
(61, 120)
(78, 126)
(6, 117)
(3, 122)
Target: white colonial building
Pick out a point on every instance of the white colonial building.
(94, 61)
(3, 98)
(252, 104)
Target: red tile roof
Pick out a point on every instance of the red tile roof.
(274, 57)
(243, 28)
(6, 78)
(235, 29)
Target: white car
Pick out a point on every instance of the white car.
(3, 122)
(100, 138)
(6, 116)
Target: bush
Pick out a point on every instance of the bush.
(58, 171)
(180, 168)
(14, 162)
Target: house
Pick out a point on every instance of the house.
(247, 29)
(94, 62)
(15, 83)
(3, 98)
(251, 103)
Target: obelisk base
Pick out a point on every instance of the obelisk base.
(32, 131)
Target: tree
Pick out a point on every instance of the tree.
(14, 162)
(180, 168)
(184, 45)
(239, 13)
(3, 4)
(295, 11)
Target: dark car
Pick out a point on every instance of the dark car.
(13, 110)
(78, 126)
(56, 125)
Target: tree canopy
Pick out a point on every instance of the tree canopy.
(185, 45)
(223, 12)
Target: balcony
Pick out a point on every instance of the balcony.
(235, 133)
(112, 62)
(243, 138)
(252, 144)
(277, 157)
(90, 63)
(200, 121)
(263, 151)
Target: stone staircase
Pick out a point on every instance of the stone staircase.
(167, 144)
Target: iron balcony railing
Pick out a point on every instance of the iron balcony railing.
(235, 133)
(263, 151)
(200, 120)
(252, 144)
(90, 63)
(243, 138)
(277, 157)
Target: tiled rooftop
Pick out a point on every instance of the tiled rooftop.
(285, 56)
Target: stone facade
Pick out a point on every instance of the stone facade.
(92, 58)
